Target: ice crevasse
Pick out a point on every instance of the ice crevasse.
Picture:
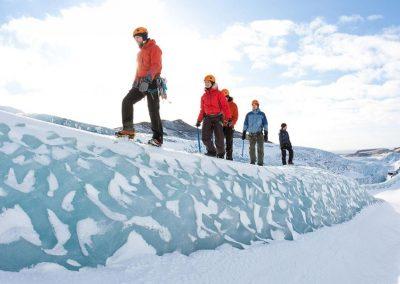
(79, 199)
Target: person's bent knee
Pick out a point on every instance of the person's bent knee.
(126, 100)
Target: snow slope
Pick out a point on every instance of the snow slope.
(79, 199)
(363, 250)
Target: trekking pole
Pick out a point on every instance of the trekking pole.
(198, 139)
(242, 147)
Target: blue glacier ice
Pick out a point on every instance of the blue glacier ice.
(80, 199)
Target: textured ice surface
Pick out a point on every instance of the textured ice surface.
(96, 200)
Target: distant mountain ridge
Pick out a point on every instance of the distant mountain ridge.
(72, 123)
(373, 152)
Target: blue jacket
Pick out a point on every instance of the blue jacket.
(255, 121)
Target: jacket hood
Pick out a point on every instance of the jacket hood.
(149, 43)
(230, 99)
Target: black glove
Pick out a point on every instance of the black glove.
(198, 123)
(229, 123)
(265, 135)
(244, 135)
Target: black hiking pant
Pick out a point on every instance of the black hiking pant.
(291, 154)
(212, 125)
(153, 104)
(256, 139)
(228, 132)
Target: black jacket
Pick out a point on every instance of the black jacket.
(284, 139)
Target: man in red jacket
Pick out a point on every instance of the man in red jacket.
(213, 109)
(149, 67)
(229, 130)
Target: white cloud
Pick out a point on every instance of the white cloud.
(350, 18)
(374, 17)
(81, 64)
(339, 115)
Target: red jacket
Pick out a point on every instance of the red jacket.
(149, 60)
(234, 111)
(213, 102)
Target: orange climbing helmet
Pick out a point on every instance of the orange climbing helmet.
(225, 92)
(140, 31)
(210, 78)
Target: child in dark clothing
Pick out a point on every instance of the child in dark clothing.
(285, 144)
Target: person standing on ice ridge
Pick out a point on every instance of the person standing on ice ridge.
(284, 142)
(213, 110)
(149, 65)
(254, 123)
(229, 130)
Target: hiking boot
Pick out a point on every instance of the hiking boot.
(155, 142)
(229, 158)
(130, 133)
(211, 153)
(221, 156)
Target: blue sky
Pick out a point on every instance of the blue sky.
(220, 13)
(217, 14)
(330, 69)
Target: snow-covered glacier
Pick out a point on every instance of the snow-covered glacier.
(364, 171)
(80, 199)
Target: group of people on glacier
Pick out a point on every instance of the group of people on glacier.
(218, 112)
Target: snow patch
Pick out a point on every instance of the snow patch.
(67, 201)
(85, 229)
(59, 153)
(278, 235)
(53, 184)
(2, 192)
(120, 189)
(282, 204)
(93, 195)
(42, 159)
(151, 224)
(173, 206)
(61, 232)
(20, 160)
(134, 246)
(135, 180)
(83, 164)
(27, 184)
(73, 262)
(16, 224)
(145, 173)
(9, 148)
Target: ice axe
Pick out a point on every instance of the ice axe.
(198, 139)
(242, 147)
